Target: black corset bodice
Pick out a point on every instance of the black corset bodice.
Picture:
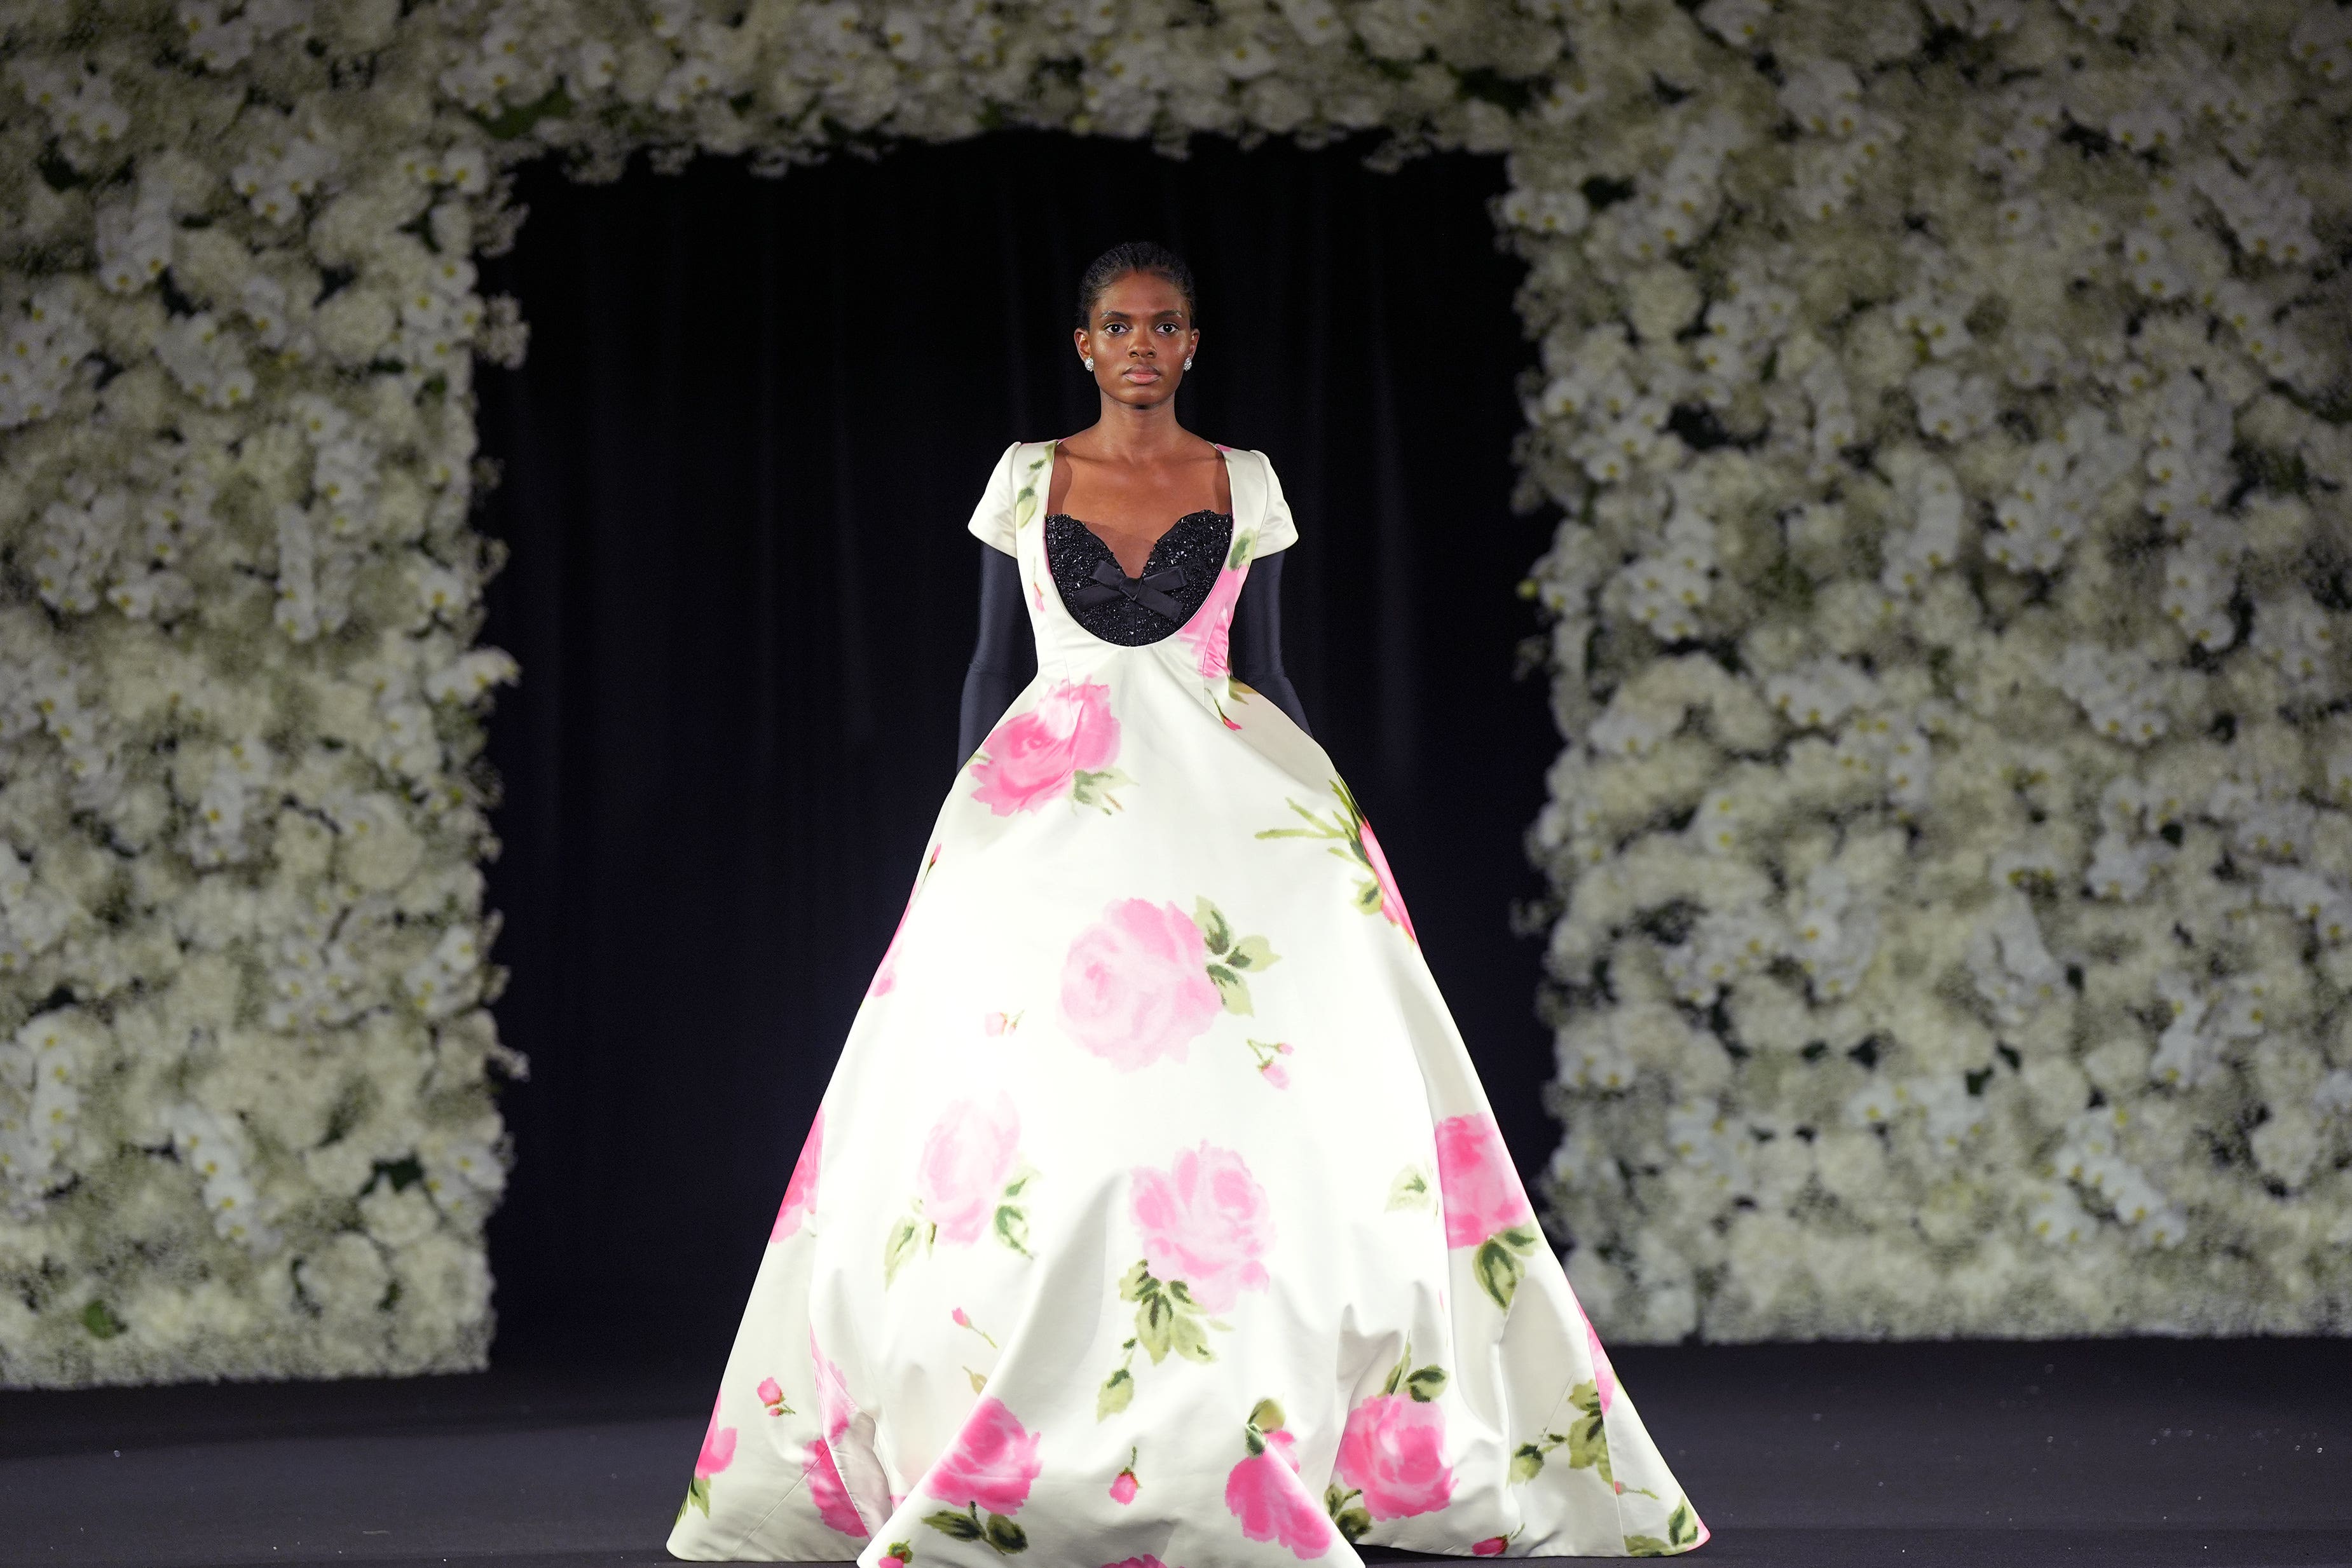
(1133, 610)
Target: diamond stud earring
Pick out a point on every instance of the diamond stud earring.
(1188, 364)
(1090, 362)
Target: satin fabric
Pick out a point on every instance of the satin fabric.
(1155, 1216)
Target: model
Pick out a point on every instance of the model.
(1154, 1217)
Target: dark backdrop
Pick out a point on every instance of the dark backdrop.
(736, 467)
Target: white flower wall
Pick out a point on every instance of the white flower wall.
(1949, 405)
(1954, 872)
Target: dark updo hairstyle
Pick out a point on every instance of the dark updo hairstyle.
(1134, 255)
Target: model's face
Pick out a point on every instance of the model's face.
(1139, 338)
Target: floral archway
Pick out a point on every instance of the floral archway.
(1948, 405)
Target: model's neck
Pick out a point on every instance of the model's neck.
(1128, 434)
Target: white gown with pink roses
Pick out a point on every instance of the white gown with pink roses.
(1155, 1216)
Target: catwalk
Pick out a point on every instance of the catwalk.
(2134, 1454)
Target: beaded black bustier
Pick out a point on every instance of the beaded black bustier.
(1133, 610)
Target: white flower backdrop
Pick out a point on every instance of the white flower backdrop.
(1953, 869)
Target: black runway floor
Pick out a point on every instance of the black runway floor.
(2119, 1454)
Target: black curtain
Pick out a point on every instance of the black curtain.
(736, 467)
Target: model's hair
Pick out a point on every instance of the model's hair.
(1134, 255)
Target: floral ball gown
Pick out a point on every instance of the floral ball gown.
(1154, 1217)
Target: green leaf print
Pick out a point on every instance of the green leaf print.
(1013, 1228)
(1243, 544)
(1588, 1439)
(1252, 953)
(1230, 953)
(1188, 1336)
(1354, 1522)
(1498, 1271)
(1167, 1322)
(1215, 929)
(1412, 1189)
(1646, 1546)
(1005, 1536)
(1266, 1416)
(957, 1526)
(697, 1495)
(899, 1249)
(1154, 1321)
(1231, 989)
(1349, 833)
(1423, 1383)
(1095, 789)
(1682, 1525)
(1025, 499)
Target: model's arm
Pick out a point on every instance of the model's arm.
(1004, 657)
(1256, 647)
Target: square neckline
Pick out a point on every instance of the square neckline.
(1053, 457)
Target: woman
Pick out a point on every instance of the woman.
(1154, 1217)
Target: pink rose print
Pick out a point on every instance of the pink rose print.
(1491, 1547)
(717, 1448)
(992, 1464)
(1476, 1178)
(1603, 1374)
(832, 1498)
(1210, 632)
(1063, 746)
(1206, 1221)
(887, 974)
(966, 1160)
(799, 1192)
(1136, 986)
(1123, 1485)
(1391, 901)
(718, 1453)
(1264, 1493)
(771, 1395)
(1485, 1206)
(1146, 1561)
(988, 1469)
(1393, 1451)
(1353, 840)
(1268, 1054)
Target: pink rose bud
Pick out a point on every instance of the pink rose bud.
(891, 1562)
(1282, 1048)
(771, 1391)
(994, 1024)
(1123, 1488)
(962, 1321)
(1490, 1547)
(1275, 1076)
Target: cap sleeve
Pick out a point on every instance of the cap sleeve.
(1276, 530)
(991, 521)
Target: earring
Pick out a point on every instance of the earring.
(1090, 362)
(1188, 364)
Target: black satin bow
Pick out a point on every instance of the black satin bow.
(1150, 590)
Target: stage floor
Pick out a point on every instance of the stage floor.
(2134, 1454)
